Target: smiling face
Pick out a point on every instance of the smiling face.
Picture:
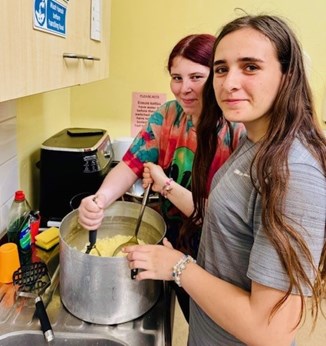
(247, 77)
(187, 83)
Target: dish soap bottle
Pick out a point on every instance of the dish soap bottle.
(18, 229)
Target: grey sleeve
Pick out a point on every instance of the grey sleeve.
(306, 206)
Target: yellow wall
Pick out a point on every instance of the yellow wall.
(142, 34)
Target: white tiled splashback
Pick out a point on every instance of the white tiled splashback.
(9, 179)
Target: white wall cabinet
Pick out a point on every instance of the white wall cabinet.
(32, 61)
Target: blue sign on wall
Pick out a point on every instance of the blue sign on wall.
(50, 16)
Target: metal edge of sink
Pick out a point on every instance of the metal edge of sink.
(32, 338)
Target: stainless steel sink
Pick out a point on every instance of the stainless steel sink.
(30, 338)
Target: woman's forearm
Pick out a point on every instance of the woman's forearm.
(177, 194)
(117, 182)
(180, 197)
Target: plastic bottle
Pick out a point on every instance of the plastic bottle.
(18, 229)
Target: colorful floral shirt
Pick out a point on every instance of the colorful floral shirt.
(169, 140)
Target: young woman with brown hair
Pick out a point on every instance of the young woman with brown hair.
(262, 249)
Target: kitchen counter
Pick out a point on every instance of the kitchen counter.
(18, 325)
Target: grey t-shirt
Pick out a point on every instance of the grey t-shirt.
(234, 246)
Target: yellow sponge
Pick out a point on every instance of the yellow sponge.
(48, 238)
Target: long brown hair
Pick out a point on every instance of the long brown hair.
(198, 48)
(292, 116)
(209, 125)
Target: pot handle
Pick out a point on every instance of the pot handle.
(44, 319)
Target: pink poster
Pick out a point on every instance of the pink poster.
(143, 105)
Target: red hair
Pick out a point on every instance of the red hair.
(197, 48)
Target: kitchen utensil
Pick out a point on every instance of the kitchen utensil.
(41, 313)
(32, 281)
(98, 289)
(92, 235)
(134, 240)
(9, 261)
(31, 277)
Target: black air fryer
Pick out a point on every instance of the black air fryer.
(73, 164)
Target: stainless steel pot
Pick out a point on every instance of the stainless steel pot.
(99, 289)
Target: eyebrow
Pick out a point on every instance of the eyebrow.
(244, 59)
(190, 74)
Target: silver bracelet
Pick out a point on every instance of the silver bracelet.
(179, 267)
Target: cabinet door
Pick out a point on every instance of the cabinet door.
(32, 61)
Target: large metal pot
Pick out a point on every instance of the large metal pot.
(100, 289)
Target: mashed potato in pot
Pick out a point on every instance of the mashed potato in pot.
(107, 245)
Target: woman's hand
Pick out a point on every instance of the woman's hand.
(91, 211)
(154, 174)
(157, 261)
